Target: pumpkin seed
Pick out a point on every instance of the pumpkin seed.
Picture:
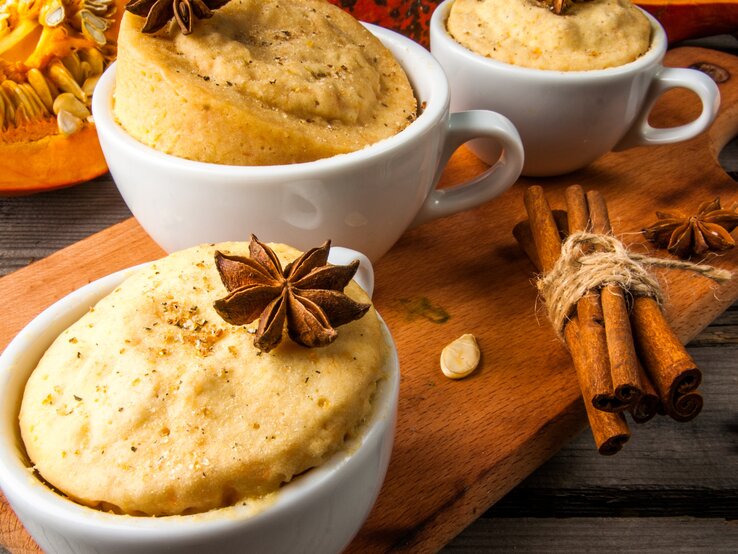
(7, 93)
(73, 64)
(67, 123)
(21, 99)
(55, 13)
(98, 23)
(93, 57)
(89, 85)
(21, 116)
(2, 113)
(110, 50)
(69, 103)
(461, 357)
(99, 8)
(39, 83)
(33, 110)
(93, 27)
(31, 93)
(99, 3)
(61, 77)
(93, 33)
(86, 71)
(9, 108)
(53, 89)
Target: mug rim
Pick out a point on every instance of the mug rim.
(19, 483)
(423, 69)
(655, 53)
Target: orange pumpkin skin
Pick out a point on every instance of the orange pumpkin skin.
(682, 19)
(685, 19)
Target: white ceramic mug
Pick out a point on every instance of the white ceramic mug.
(568, 119)
(363, 200)
(320, 510)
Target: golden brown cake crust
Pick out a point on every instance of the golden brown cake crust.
(152, 405)
(260, 83)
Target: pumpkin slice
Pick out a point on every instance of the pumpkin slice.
(685, 19)
(51, 54)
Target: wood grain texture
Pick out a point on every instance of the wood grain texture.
(652, 535)
(77, 213)
(663, 457)
(722, 332)
(462, 445)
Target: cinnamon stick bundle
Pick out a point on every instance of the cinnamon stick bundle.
(625, 359)
(610, 430)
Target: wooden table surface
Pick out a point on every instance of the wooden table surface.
(674, 489)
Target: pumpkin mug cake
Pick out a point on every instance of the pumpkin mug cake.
(258, 83)
(165, 398)
(570, 36)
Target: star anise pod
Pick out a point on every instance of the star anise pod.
(159, 12)
(306, 296)
(684, 235)
(559, 7)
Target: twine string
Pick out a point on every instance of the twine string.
(591, 261)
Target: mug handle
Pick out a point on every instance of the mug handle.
(463, 127)
(643, 134)
(339, 255)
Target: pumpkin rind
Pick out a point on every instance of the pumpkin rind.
(51, 162)
(688, 19)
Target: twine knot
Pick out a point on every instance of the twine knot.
(591, 261)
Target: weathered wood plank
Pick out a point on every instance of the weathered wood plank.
(728, 158)
(652, 535)
(721, 332)
(697, 459)
(32, 227)
(664, 471)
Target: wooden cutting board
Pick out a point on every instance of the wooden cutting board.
(461, 445)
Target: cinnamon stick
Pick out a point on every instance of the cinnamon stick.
(609, 430)
(591, 319)
(648, 405)
(686, 406)
(524, 235)
(543, 228)
(672, 370)
(621, 349)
